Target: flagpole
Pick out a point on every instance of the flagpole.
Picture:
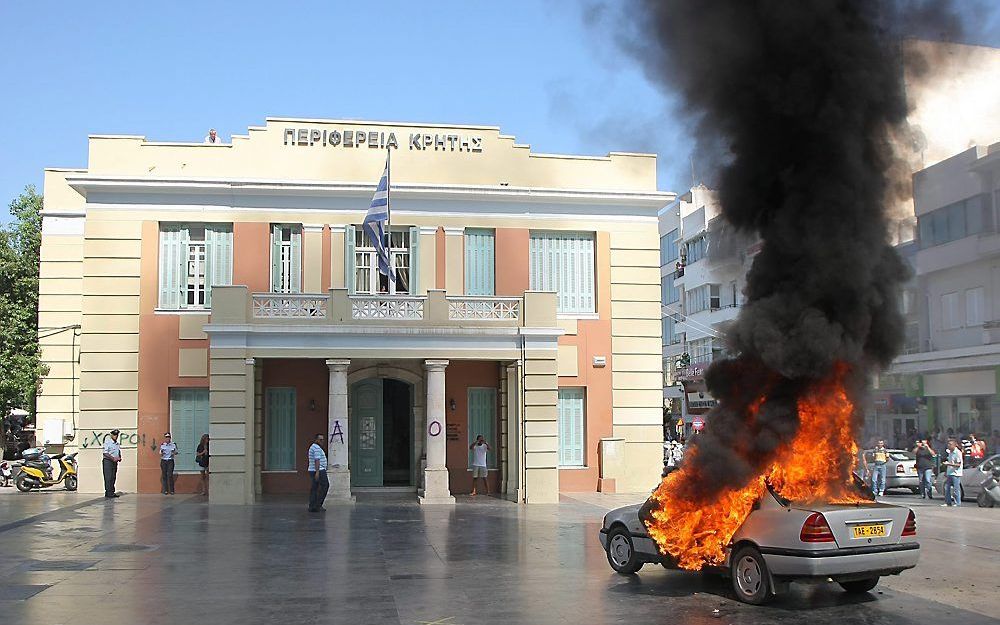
(388, 210)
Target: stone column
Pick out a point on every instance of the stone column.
(436, 490)
(338, 436)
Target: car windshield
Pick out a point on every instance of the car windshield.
(901, 455)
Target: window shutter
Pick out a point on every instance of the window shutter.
(414, 261)
(482, 420)
(169, 267)
(279, 434)
(349, 277)
(173, 265)
(188, 421)
(295, 280)
(275, 258)
(479, 262)
(564, 263)
(218, 258)
(571, 427)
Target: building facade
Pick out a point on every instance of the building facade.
(703, 267)
(229, 289)
(952, 364)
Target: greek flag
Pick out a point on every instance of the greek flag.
(375, 224)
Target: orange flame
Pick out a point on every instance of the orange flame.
(815, 466)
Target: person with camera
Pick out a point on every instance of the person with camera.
(926, 461)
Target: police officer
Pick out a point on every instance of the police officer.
(168, 451)
(112, 456)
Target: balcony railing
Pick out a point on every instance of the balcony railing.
(289, 306)
(235, 305)
(484, 308)
(387, 307)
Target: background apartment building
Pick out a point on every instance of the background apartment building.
(701, 294)
(950, 375)
(229, 289)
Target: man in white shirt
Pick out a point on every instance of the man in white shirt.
(479, 466)
(318, 482)
(953, 475)
(213, 137)
(168, 451)
(112, 457)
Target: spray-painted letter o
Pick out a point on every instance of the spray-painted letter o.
(434, 429)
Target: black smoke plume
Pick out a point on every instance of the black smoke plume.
(801, 100)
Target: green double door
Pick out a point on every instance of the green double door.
(366, 433)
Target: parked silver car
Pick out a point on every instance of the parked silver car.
(900, 471)
(972, 480)
(782, 542)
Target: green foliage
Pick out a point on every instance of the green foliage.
(20, 242)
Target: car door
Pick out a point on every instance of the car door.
(972, 479)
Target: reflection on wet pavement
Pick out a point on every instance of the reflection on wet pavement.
(149, 559)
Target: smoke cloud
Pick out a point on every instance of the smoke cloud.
(801, 103)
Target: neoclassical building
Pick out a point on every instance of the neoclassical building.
(229, 289)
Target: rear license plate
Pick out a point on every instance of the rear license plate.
(868, 531)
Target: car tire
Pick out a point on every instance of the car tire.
(71, 482)
(859, 586)
(915, 491)
(984, 500)
(621, 552)
(751, 580)
(21, 482)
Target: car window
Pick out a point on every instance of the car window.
(902, 455)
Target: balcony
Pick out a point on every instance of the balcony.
(381, 323)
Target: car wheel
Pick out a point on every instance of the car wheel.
(70, 482)
(984, 500)
(751, 581)
(859, 586)
(621, 552)
(21, 481)
(915, 491)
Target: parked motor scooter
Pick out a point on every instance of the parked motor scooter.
(6, 474)
(991, 489)
(36, 472)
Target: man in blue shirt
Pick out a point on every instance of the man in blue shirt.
(318, 482)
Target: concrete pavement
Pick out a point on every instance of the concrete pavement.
(153, 559)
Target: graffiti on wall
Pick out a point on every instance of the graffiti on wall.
(128, 438)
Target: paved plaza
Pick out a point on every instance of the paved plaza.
(71, 559)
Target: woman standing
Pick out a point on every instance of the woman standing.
(201, 457)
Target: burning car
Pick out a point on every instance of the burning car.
(783, 541)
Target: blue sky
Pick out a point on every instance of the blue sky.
(171, 70)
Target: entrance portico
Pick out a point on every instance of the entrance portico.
(391, 383)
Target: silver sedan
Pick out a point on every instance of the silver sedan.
(972, 481)
(782, 542)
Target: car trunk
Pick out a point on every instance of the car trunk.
(867, 518)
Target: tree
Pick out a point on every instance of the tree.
(21, 369)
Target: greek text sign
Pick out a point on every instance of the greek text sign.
(379, 139)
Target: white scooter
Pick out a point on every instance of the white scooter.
(6, 474)
(991, 489)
